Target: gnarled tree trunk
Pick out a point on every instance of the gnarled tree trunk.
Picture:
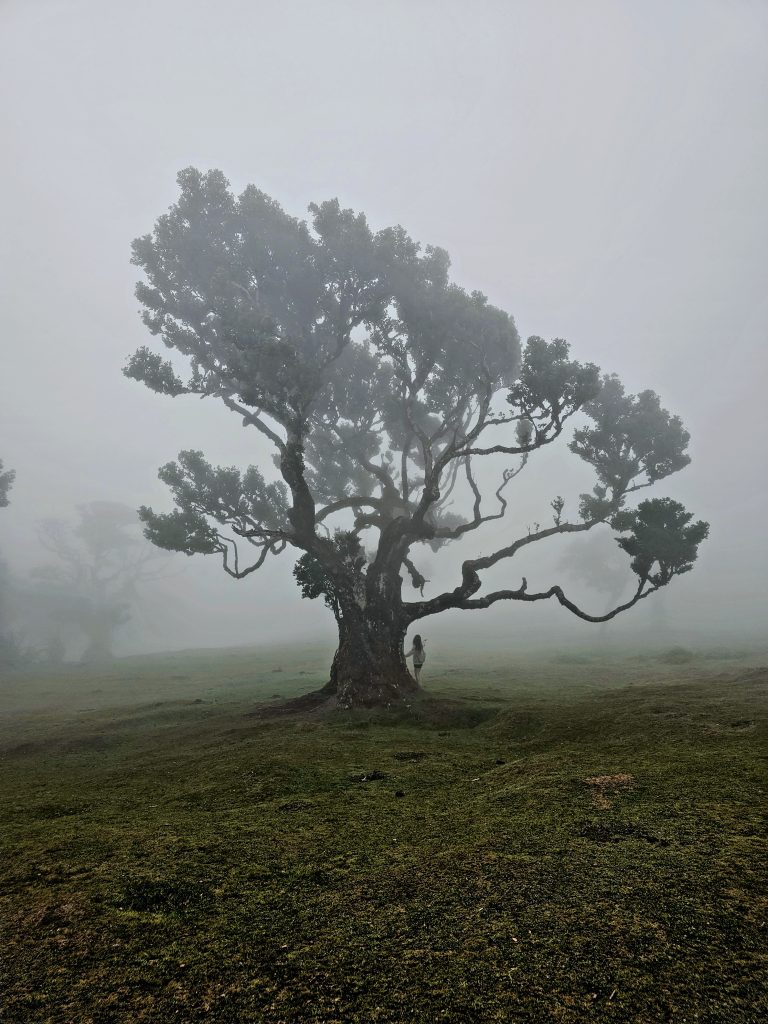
(369, 667)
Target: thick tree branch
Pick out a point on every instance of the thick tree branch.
(431, 492)
(302, 513)
(556, 591)
(253, 420)
(486, 561)
(417, 579)
(542, 439)
(353, 502)
(471, 581)
(234, 570)
(474, 488)
(379, 472)
(478, 520)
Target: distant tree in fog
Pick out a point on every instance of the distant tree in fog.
(98, 566)
(379, 386)
(14, 653)
(6, 481)
(8, 645)
(593, 563)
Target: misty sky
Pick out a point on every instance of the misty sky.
(598, 169)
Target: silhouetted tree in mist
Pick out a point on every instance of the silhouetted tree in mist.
(6, 481)
(8, 646)
(379, 386)
(14, 652)
(99, 565)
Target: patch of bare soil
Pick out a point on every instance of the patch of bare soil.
(605, 788)
(316, 701)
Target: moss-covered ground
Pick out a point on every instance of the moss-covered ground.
(168, 857)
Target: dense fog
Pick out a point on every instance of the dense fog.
(597, 170)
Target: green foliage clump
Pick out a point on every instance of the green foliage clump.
(313, 578)
(662, 534)
(223, 493)
(632, 443)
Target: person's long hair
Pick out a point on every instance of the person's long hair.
(417, 642)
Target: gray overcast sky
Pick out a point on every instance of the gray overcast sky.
(598, 169)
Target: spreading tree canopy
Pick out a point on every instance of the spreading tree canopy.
(380, 386)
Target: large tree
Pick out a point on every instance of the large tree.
(380, 386)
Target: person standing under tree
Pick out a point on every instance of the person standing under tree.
(419, 655)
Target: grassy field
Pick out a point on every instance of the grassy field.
(566, 838)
